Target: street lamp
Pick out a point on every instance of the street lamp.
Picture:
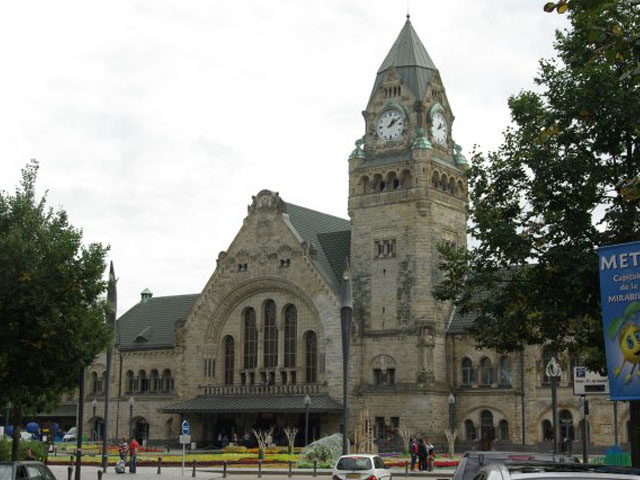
(94, 404)
(553, 372)
(131, 404)
(451, 401)
(307, 403)
(346, 313)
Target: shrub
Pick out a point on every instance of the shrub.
(38, 449)
(235, 449)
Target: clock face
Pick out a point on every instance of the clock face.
(390, 125)
(439, 128)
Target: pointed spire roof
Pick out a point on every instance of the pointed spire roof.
(411, 60)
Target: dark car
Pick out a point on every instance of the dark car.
(471, 462)
(555, 471)
(26, 470)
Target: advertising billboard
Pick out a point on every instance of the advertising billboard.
(620, 295)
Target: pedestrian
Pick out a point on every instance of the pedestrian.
(413, 450)
(430, 454)
(422, 455)
(123, 448)
(133, 451)
(28, 455)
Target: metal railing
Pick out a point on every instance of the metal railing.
(261, 389)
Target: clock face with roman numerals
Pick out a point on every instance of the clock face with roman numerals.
(390, 125)
(439, 128)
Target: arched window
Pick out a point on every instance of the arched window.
(290, 329)
(486, 372)
(467, 372)
(505, 372)
(470, 430)
(503, 430)
(144, 381)
(270, 335)
(94, 383)
(228, 360)
(311, 357)
(155, 380)
(435, 180)
(566, 426)
(547, 430)
(250, 339)
(167, 381)
(486, 425)
(547, 355)
(131, 382)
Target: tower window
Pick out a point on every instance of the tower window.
(385, 248)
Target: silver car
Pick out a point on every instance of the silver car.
(555, 471)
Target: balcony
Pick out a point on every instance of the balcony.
(231, 390)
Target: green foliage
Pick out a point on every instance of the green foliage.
(324, 451)
(544, 201)
(38, 449)
(50, 300)
(319, 453)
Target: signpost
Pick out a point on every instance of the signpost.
(185, 438)
(586, 382)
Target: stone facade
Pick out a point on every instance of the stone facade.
(407, 195)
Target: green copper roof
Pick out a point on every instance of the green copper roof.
(411, 60)
(151, 324)
(421, 142)
(331, 236)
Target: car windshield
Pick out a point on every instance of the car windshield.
(5, 472)
(354, 463)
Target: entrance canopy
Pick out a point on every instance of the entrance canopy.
(255, 404)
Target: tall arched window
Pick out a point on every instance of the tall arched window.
(486, 425)
(95, 387)
(228, 360)
(503, 430)
(131, 382)
(270, 335)
(155, 380)
(486, 372)
(470, 430)
(290, 333)
(467, 372)
(144, 381)
(167, 381)
(566, 426)
(504, 377)
(250, 339)
(547, 430)
(311, 357)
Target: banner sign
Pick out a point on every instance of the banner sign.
(620, 295)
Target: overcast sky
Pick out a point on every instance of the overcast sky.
(154, 121)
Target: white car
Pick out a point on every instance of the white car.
(360, 467)
(70, 436)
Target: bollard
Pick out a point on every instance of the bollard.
(99, 474)
(289, 467)
(259, 468)
(159, 464)
(193, 473)
(315, 467)
(69, 472)
(406, 468)
(224, 469)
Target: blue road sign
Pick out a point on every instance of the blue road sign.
(185, 428)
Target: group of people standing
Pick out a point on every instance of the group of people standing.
(422, 451)
(131, 448)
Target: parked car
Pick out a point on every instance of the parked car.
(471, 462)
(26, 470)
(360, 467)
(555, 471)
(70, 436)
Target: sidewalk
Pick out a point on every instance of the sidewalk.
(210, 473)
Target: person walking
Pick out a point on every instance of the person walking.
(133, 451)
(413, 450)
(430, 454)
(123, 448)
(422, 455)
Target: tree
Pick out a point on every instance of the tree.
(51, 310)
(543, 202)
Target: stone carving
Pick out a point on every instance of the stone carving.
(426, 346)
(267, 201)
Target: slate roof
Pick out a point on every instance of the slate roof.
(254, 404)
(330, 235)
(151, 324)
(460, 323)
(411, 60)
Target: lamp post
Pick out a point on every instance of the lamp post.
(451, 400)
(553, 372)
(346, 313)
(94, 432)
(307, 404)
(131, 404)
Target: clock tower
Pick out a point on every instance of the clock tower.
(407, 194)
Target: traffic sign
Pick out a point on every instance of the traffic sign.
(185, 428)
(185, 439)
(586, 382)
